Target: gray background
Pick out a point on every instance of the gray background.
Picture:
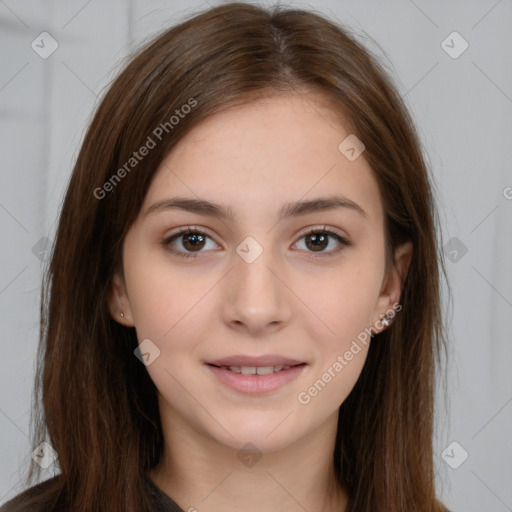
(463, 109)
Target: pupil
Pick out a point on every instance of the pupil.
(320, 238)
(197, 239)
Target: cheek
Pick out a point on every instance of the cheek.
(154, 303)
(172, 307)
(153, 306)
(343, 302)
(161, 294)
(344, 306)
(341, 350)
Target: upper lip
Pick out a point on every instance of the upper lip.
(266, 360)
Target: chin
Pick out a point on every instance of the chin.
(266, 436)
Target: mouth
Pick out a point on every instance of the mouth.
(256, 370)
(256, 380)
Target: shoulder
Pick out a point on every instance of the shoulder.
(34, 499)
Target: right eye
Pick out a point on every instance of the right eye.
(192, 239)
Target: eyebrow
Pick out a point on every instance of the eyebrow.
(204, 207)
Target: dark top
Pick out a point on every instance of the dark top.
(162, 502)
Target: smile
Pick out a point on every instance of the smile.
(256, 370)
(256, 380)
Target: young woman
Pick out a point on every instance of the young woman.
(242, 308)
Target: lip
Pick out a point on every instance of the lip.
(256, 384)
(265, 360)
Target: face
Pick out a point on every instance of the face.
(253, 282)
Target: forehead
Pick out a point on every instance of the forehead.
(266, 153)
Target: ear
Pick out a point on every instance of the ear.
(392, 285)
(118, 301)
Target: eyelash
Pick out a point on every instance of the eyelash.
(313, 231)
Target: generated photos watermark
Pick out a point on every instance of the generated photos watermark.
(305, 397)
(150, 143)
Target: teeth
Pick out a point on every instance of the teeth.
(259, 370)
(265, 370)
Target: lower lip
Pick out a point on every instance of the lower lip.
(256, 384)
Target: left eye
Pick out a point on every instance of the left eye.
(194, 240)
(319, 239)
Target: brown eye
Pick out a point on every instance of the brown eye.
(192, 241)
(317, 240)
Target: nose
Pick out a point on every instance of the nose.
(257, 298)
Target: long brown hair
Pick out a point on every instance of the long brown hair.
(94, 401)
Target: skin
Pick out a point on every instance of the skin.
(290, 301)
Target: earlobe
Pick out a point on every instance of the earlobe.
(118, 303)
